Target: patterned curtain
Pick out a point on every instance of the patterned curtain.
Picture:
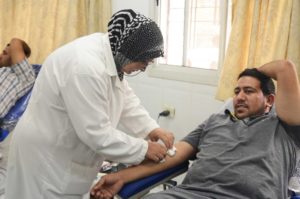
(48, 24)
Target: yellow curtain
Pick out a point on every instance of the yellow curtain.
(262, 31)
(48, 24)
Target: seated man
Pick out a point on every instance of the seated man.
(16, 74)
(16, 79)
(248, 154)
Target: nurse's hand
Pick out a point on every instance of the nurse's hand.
(163, 135)
(156, 151)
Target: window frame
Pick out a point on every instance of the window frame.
(192, 74)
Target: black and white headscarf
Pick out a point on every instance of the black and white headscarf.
(133, 37)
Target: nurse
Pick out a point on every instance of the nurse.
(79, 101)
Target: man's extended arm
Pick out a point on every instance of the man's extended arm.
(288, 91)
(110, 185)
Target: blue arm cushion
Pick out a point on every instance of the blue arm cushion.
(134, 187)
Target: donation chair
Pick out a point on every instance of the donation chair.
(141, 187)
(138, 188)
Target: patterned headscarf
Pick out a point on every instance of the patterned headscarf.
(133, 37)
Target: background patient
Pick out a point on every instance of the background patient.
(16, 79)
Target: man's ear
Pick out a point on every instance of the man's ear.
(270, 100)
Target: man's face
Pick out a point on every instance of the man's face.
(249, 100)
(5, 59)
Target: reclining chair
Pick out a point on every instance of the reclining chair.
(138, 188)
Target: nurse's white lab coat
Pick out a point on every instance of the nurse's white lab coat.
(70, 125)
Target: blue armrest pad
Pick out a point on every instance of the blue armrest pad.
(139, 185)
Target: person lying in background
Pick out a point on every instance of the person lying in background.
(17, 77)
(78, 104)
(16, 74)
(250, 153)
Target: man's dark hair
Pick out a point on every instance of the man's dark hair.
(266, 84)
(26, 49)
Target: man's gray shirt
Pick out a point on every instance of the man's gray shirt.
(239, 159)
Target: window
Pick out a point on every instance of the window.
(195, 39)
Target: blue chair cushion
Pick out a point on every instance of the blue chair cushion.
(134, 187)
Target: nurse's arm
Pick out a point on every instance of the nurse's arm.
(110, 184)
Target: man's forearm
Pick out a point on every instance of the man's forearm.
(288, 90)
(278, 69)
(147, 168)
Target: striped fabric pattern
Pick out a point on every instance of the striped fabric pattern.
(15, 81)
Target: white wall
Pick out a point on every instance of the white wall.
(143, 6)
(193, 102)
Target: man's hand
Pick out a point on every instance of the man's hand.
(156, 151)
(165, 136)
(108, 186)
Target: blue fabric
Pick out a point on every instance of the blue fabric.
(139, 185)
(3, 134)
(36, 68)
(295, 196)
